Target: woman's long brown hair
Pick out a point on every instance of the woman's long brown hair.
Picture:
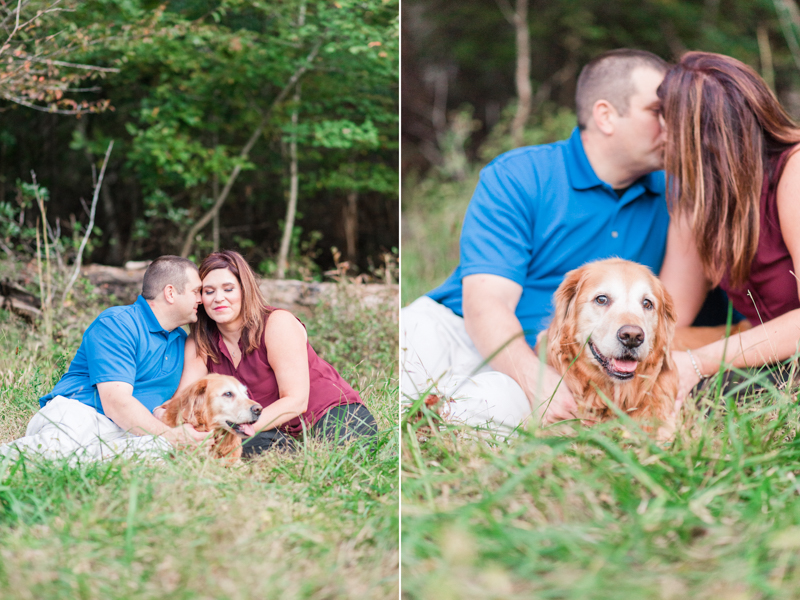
(725, 130)
(254, 309)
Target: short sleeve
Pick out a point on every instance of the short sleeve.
(111, 352)
(498, 228)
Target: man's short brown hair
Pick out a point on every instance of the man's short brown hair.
(164, 271)
(608, 77)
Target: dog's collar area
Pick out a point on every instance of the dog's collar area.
(605, 363)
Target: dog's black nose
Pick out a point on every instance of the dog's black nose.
(256, 410)
(631, 336)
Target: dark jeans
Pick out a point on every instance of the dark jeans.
(340, 424)
(747, 384)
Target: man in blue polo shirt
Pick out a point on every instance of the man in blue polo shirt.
(129, 362)
(537, 213)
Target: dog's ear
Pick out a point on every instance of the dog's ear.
(561, 332)
(667, 318)
(193, 404)
(229, 447)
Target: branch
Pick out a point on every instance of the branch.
(788, 16)
(46, 109)
(187, 244)
(61, 63)
(13, 13)
(89, 227)
(38, 15)
(508, 12)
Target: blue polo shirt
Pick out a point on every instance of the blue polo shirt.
(127, 344)
(541, 211)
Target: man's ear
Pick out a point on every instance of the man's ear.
(604, 115)
(169, 293)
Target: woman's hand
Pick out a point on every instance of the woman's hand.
(687, 376)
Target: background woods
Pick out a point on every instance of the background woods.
(485, 76)
(466, 64)
(229, 119)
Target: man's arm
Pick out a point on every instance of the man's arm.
(127, 412)
(489, 305)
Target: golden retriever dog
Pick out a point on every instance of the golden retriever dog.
(217, 403)
(610, 337)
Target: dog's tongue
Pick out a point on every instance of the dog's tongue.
(623, 366)
(247, 429)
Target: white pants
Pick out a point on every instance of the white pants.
(437, 356)
(69, 429)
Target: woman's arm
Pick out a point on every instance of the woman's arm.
(194, 368)
(777, 339)
(682, 272)
(285, 339)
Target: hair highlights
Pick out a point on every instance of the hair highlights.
(725, 129)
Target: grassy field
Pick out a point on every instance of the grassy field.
(322, 523)
(595, 513)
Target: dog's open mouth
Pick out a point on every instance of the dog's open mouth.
(244, 430)
(618, 368)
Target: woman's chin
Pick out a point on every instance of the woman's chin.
(223, 319)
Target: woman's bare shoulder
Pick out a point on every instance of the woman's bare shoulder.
(282, 323)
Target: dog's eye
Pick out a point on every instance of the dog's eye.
(601, 300)
(228, 395)
(647, 304)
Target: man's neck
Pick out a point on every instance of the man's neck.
(162, 316)
(602, 160)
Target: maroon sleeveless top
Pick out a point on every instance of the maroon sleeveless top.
(327, 388)
(771, 284)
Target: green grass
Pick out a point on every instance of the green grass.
(433, 212)
(604, 512)
(322, 523)
(592, 513)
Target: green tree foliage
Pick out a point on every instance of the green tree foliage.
(196, 80)
(464, 53)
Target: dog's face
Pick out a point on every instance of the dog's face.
(219, 402)
(620, 310)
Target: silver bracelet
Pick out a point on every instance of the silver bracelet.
(694, 364)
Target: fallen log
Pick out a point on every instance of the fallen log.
(281, 293)
(27, 311)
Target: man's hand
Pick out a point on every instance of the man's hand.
(185, 435)
(553, 402)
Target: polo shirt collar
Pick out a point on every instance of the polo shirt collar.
(579, 170)
(153, 326)
(582, 176)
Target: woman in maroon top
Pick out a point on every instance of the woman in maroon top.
(267, 349)
(733, 180)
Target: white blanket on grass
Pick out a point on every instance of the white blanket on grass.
(68, 429)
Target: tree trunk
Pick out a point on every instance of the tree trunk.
(215, 222)
(291, 207)
(350, 219)
(765, 51)
(187, 243)
(114, 256)
(523, 73)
